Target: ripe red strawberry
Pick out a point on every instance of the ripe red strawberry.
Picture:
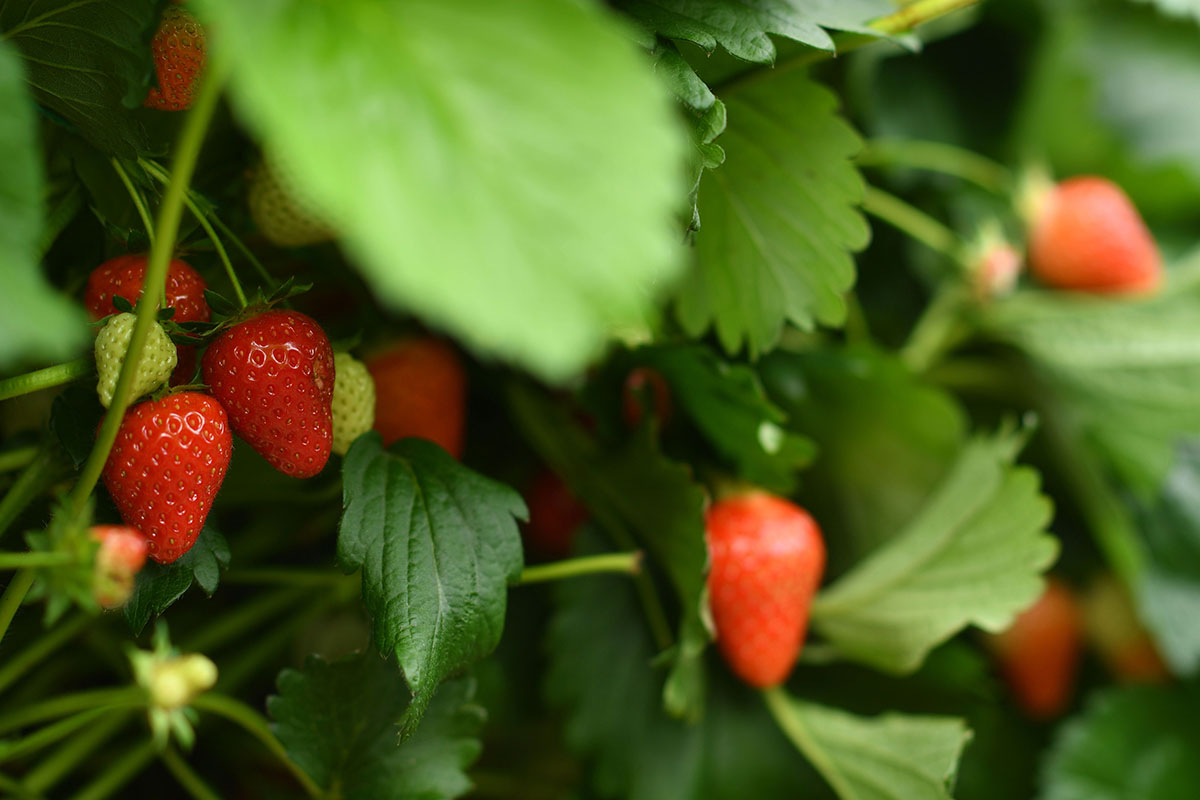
(1087, 235)
(767, 557)
(179, 54)
(165, 469)
(646, 388)
(420, 390)
(123, 276)
(1039, 655)
(554, 516)
(274, 374)
(121, 556)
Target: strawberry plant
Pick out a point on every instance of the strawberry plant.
(573, 399)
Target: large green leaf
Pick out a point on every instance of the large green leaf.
(1139, 742)
(478, 158)
(35, 323)
(973, 555)
(340, 722)
(779, 218)
(438, 546)
(89, 62)
(890, 757)
(743, 28)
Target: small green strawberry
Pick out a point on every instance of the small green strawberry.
(158, 358)
(353, 401)
(279, 210)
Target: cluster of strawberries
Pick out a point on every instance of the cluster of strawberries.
(272, 378)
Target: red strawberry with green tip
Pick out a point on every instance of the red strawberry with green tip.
(274, 374)
(166, 466)
(766, 561)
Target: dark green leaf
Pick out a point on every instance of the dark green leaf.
(90, 62)
(1133, 743)
(341, 723)
(160, 585)
(504, 176)
(742, 28)
(779, 218)
(35, 322)
(438, 545)
(221, 304)
(74, 417)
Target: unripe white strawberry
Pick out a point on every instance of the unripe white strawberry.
(280, 212)
(158, 358)
(353, 401)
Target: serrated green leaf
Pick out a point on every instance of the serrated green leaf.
(160, 585)
(340, 722)
(35, 322)
(1128, 370)
(476, 157)
(870, 417)
(438, 545)
(743, 28)
(89, 62)
(1139, 742)
(973, 555)
(637, 493)
(889, 757)
(779, 218)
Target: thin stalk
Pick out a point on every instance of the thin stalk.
(66, 758)
(940, 328)
(119, 773)
(247, 617)
(938, 157)
(18, 457)
(253, 723)
(170, 213)
(46, 378)
(913, 222)
(792, 725)
(139, 202)
(622, 563)
(187, 777)
(40, 649)
(13, 596)
(61, 706)
(36, 478)
(44, 737)
(220, 248)
(35, 559)
(14, 787)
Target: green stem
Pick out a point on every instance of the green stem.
(36, 478)
(624, 563)
(45, 378)
(898, 22)
(35, 559)
(251, 658)
(979, 376)
(44, 737)
(938, 157)
(253, 723)
(858, 330)
(63, 761)
(138, 201)
(187, 777)
(791, 722)
(13, 596)
(170, 213)
(119, 773)
(248, 616)
(16, 789)
(940, 328)
(913, 222)
(41, 648)
(18, 457)
(287, 577)
(246, 251)
(220, 248)
(61, 706)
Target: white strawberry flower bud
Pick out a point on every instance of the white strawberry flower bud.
(157, 363)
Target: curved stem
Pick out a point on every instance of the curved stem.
(791, 722)
(246, 251)
(56, 766)
(48, 735)
(939, 329)
(138, 201)
(36, 478)
(119, 773)
(623, 563)
(44, 646)
(938, 157)
(45, 378)
(246, 617)
(913, 222)
(187, 777)
(170, 213)
(220, 248)
(121, 696)
(253, 723)
(17, 457)
(35, 559)
(13, 596)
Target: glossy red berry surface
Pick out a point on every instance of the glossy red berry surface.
(180, 51)
(274, 374)
(123, 276)
(166, 466)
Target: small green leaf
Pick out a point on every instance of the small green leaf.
(476, 158)
(1139, 742)
(36, 324)
(220, 304)
(779, 218)
(341, 722)
(160, 585)
(89, 62)
(438, 545)
(889, 757)
(973, 555)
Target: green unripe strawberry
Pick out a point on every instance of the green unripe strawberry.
(158, 358)
(353, 401)
(280, 212)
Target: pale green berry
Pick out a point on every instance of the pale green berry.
(353, 401)
(280, 212)
(155, 368)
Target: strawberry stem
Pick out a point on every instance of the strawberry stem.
(10, 601)
(57, 765)
(63, 705)
(914, 223)
(45, 378)
(39, 559)
(43, 647)
(44, 737)
(938, 157)
(938, 330)
(135, 194)
(622, 563)
(36, 478)
(220, 248)
(17, 457)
